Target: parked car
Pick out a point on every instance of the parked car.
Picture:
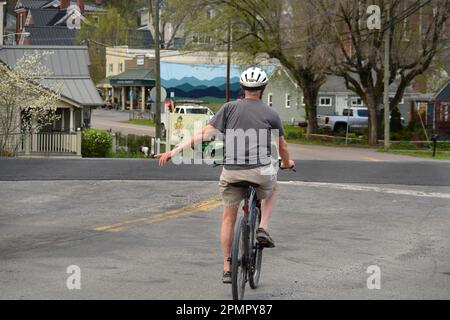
(355, 118)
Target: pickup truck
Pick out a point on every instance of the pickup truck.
(185, 109)
(355, 118)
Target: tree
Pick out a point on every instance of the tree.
(110, 30)
(359, 58)
(289, 31)
(25, 105)
(174, 14)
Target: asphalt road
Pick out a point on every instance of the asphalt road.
(117, 122)
(145, 240)
(404, 173)
(137, 231)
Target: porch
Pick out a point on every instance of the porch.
(54, 144)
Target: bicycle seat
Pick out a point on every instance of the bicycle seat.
(244, 184)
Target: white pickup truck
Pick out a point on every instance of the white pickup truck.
(185, 109)
(354, 118)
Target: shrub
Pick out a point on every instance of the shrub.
(132, 142)
(293, 132)
(96, 144)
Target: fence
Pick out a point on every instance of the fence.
(55, 143)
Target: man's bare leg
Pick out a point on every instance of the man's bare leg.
(226, 235)
(267, 206)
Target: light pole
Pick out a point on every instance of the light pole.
(2, 4)
(387, 109)
(157, 71)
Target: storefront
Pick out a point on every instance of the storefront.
(131, 90)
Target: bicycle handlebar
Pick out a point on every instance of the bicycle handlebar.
(216, 164)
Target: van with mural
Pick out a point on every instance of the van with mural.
(196, 111)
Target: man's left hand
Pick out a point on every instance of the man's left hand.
(164, 158)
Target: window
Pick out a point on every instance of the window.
(357, 102)
(197, 111)
(140, 61)
(303, 101)
(270, 100)
(325, 102)
(111, 67)
(363, 113)
(120, 67)
(21, 20)
(288, 100)
(347, 113)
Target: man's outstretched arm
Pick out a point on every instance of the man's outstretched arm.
(286, 162)
(198, 138)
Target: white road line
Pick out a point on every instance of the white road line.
(353, 187)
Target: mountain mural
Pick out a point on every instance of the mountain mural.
(201, 80)
(191, 87)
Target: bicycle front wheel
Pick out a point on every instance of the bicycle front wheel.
(238, 263)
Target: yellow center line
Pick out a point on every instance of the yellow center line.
(202, 206)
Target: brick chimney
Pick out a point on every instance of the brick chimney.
(64, 4)
(80, 4)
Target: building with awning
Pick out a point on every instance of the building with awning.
(131, 88)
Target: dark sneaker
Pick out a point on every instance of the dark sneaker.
(226, 277)
(264, 239)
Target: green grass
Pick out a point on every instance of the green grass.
(440, 155)
(142, 122)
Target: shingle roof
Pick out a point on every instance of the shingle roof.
(34, 4)
(46, 17)
(69, 65)
(48, 36)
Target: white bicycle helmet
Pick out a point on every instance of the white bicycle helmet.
(254, 78)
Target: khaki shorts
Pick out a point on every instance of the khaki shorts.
(265, 177)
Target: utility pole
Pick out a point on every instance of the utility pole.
(2, 3)
(157, 70)
(387, 109)
(229, 63)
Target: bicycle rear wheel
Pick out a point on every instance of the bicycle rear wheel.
(238, 263)
(256, 252)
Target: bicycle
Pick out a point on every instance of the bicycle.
(246, 252)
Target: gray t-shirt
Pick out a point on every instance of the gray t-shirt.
(247, 126)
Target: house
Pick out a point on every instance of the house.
(438, 117)
(69, 66)
(51, 22)
(286, 97)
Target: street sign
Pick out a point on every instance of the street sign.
(163, 94)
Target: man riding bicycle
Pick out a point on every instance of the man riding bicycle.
(248, 163)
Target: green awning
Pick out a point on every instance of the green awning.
(135, 78)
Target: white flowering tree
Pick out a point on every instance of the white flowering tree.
(27, 102)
